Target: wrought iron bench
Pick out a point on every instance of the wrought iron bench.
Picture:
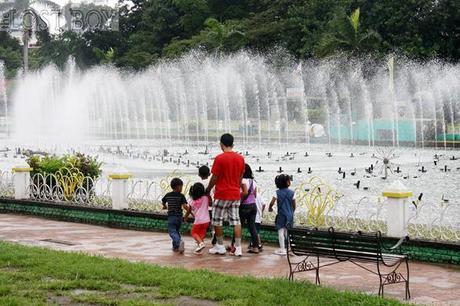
(312, 245)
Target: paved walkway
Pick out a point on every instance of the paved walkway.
(430, 284)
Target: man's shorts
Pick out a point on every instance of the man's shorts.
(225, 210)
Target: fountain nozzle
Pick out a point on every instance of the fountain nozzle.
(357, 184)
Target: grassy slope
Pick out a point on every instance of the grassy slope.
(34, 276)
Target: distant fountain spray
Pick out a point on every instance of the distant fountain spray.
(196, 98)
(3, 96)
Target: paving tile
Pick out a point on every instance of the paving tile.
(431, 284)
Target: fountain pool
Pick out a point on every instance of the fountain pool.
(317, 116)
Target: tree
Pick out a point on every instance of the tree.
(422, 29)
(218, 34)
(27, 9)
(349, 37)
(192, 15)
(104, 57)
(306, 22)
(136, 59)
(230, 9)
(59, 47)
(10, 53)
(153, 29)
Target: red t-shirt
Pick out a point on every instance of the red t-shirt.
(229, 168)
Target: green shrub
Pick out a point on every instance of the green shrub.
(51, 164)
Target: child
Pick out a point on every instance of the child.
(248, 207)
(260, 212)
(175, 202)
(248, 210)
(284, 197)
(199, 207)
(204, 173)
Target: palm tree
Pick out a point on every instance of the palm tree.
(27, 8)
(219, 33)
(348, 37)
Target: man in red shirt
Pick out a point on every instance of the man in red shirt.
(227, 172)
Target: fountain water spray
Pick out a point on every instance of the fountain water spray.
(3, 96)
(194, 99)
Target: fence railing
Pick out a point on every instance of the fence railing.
(318, 203)
(71, 188)
(429, 221)
(6, 184)
(144, 195)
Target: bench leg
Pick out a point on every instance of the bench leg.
(381, 282)
(291, 274)
(291, 271)
(317, 280)
(394, 277)
(407, 280)
(304, 266)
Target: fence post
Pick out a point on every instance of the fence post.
(120, 190)
(397, 209)
(21, 181)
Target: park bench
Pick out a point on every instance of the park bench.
(320, 248)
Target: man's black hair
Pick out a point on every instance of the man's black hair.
(227, 140)
(176, 182)
(204, 171)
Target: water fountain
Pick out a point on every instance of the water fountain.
(145, 121)
(3, 100)
(195, 98)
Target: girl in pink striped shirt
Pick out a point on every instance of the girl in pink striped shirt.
(198, 206)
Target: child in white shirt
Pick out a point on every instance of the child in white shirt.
(260, 202)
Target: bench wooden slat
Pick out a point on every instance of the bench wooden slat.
(310, 240)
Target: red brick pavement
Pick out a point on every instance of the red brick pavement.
(430, 283)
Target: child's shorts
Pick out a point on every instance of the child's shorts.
(200, 230)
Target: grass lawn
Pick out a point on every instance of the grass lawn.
(36, 276)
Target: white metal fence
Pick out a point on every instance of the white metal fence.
(318, 203)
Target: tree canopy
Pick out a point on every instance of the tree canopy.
(150, 30)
